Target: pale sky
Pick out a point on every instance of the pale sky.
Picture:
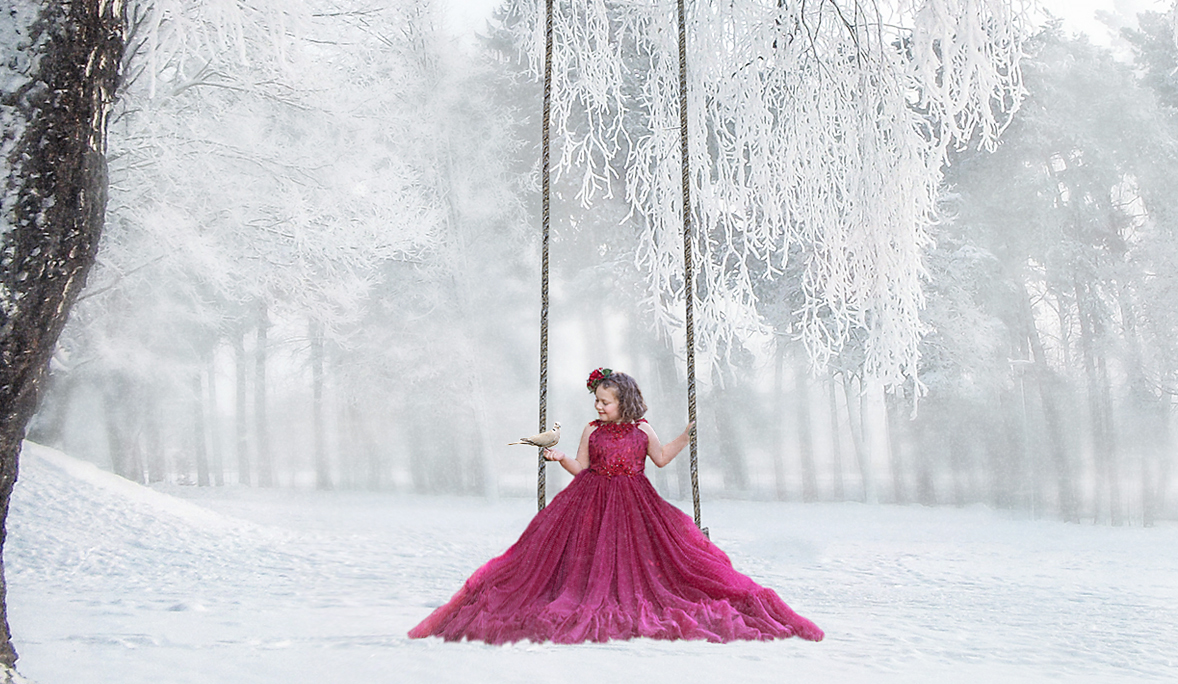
(468, 16)
(1092, 17)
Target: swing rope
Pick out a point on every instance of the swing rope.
(688, 266)
(541, 496)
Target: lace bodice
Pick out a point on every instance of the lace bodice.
(617, 449)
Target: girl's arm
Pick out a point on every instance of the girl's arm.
(581, 462)
(662, 454)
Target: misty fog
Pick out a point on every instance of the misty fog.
(321, 269)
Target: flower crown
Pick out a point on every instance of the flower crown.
(596, 377)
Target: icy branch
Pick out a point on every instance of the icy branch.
(819, 130)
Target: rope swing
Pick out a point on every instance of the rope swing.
(688, 264)
(541, 496)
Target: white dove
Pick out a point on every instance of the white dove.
(544, 440)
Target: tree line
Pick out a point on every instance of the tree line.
(234, 332)
(317, 259)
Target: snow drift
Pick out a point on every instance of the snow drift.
(110, 581)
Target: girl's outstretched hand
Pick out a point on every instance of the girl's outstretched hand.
(554, 455)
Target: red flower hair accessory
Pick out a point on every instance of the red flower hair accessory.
(596, 377)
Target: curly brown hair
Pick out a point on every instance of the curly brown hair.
(631, 405)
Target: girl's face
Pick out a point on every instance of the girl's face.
(607, 405)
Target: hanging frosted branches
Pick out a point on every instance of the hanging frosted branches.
(301, 101)
(180, 37)
(819, 130)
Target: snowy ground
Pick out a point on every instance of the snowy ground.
(113, 582)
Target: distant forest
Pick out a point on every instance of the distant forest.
(320, 268)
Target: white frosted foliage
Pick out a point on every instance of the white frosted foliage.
(243, 152)
(818, 132)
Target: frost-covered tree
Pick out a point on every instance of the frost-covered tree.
(1072, 218)
(447, 318)
(252, 187)
(339, 216)
(60, 70)
(823, 125)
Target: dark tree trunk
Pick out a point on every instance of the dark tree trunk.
(53, 122)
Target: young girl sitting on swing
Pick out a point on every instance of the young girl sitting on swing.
(611, 559)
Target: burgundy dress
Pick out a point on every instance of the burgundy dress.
(610, 559)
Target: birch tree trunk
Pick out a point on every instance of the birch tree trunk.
(200, 445)
(926, 491)
(240, 430)
(261, 427)
(894, 408)
(957, 460)
(836, 444)
(322, 467)
(805, 429)
(855, 425)
(216, 461)
(58, 85)
(779, 471)
(1116, 510)
(153, 440)
(1159, 488)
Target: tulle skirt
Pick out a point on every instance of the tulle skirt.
(610, 559)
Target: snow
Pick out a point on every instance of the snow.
(110, 581)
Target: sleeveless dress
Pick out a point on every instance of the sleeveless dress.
(611, 559)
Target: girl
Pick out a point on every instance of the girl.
(609, 558)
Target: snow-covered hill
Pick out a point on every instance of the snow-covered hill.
(111, 582)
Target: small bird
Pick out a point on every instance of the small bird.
(544, 440)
